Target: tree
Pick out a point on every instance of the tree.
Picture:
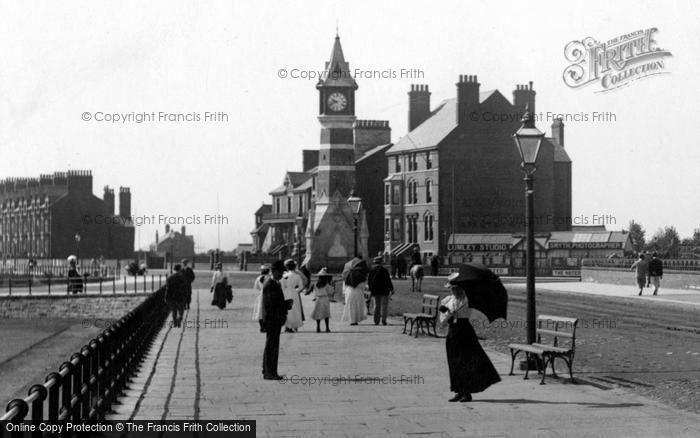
(665, 241)
(637, 235)
(695, 240)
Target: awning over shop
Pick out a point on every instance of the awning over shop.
(276, 250)
(405, 248)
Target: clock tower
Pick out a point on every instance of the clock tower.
(336, 159)
(335, 230)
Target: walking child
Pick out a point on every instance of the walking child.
(323, 291)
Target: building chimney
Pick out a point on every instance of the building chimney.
(418, 105)
(108, 199)
(310, 159)
(368, 134)
(467, 96)
(524, 95)
(182, 230)
(124, 202)
(558, 131)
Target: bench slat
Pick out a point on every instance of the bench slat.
(555, 333)
(553, 318)
(546, 347)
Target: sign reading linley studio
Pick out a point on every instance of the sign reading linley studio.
(479, 247)
(616, 62)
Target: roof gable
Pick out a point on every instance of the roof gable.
(442, 121)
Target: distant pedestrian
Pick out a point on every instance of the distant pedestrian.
(75, 280)
(260, 280)
(292, 286)
(656, 272)
(188, 273)
(401, 267)
(470, 368)
(394, 265)
(380, 287)
(175, 294)
(434, 265)
(355, 309)
(275, 309)
(323, 290)
(220, 288)
(641, 268)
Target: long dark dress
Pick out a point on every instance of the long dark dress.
(220, 293)
(471, 369)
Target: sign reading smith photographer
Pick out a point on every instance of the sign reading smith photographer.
(616, 62)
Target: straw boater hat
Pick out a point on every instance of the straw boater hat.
(452, 279)
(72, 259)
(324, 273)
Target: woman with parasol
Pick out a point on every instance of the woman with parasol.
(354, 281)
(471, 369)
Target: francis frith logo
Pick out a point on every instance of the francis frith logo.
(616, 62)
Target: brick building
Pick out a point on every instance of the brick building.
(172, 246)
(457, 171)
(41, 218)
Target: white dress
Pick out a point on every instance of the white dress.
(355, 308)
(292, 285)
(257, 306)
(322, 306)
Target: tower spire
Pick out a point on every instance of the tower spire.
(338, 71)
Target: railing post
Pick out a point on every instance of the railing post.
(54, 408)
(125, 285)
(66, 391)
(144, 282)
(100, 284)
(29, 281)
(38, 406)
(136, 285)
(152, 283)
(86, 388)
(9, 283)
(49, 283)
(22, 410)
(114, 284)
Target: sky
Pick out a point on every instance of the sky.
(63, 60)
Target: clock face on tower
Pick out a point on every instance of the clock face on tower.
(337, 101)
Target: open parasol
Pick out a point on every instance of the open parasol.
(484, 290)
(355, 272)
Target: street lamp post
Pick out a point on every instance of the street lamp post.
(528, 140)
(355, 205)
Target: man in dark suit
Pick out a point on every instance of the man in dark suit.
(188, 274)
(275, 314)
(380, 286)
(175, 294)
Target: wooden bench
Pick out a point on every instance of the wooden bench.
(561, 335)
(426, 318)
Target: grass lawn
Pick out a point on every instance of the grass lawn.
(32, 348)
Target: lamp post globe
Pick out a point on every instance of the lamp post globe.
(355, 203)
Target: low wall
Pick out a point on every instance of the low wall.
(74, 306)
(672, 279)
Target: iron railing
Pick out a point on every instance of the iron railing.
(85, 387)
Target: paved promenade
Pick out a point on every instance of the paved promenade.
(211, 369)
(677, 296)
